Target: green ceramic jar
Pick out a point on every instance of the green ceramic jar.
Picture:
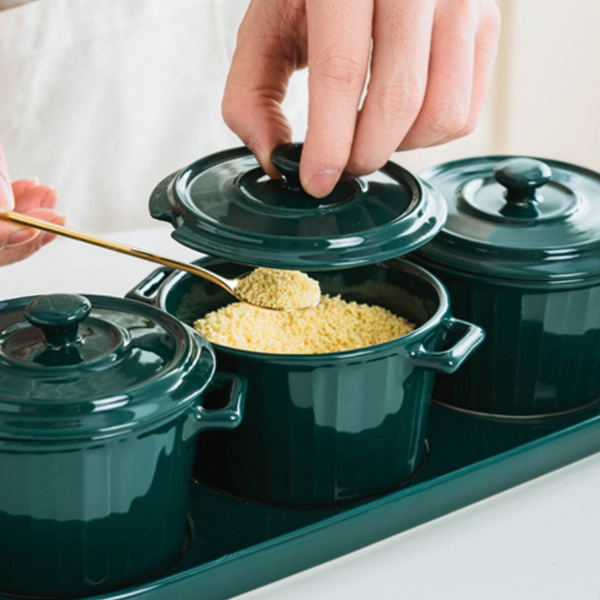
(327, 428)
(520, 255)
(101, 401)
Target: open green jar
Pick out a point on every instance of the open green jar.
(326, 428)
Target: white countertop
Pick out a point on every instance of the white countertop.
(540, 540)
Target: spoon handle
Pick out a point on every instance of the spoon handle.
(117, 247)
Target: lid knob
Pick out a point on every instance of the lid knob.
(521, 177)
(288, 192)
(287, 160)
(58, 316)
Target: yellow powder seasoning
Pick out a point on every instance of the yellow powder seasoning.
(279, 289)
(334, 325)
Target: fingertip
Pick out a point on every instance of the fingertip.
(21, 186)
(262, 152)
(7, 200)
(322, 163)
(50, 198)
(322, 183)
(269, 134)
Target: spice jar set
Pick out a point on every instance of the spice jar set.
(101, 399)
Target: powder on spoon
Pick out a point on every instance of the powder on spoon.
(279, 289)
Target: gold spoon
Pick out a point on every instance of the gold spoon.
(229, 285)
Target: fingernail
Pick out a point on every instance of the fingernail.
(7, 200)
(323, 182)
(22, 236)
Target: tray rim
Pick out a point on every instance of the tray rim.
(361, 525)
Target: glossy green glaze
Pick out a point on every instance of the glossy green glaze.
(520, 256)
(508, 220)
(80, 518)
(124, 366)
(244, 545)
(96, 453)
(226, 206)
(328, 428)
(541, 353)
(58, 316)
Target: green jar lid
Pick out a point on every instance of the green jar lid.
(518, 218)
(76, 367)
(224, 205)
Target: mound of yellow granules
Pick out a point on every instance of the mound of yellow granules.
(334, 325)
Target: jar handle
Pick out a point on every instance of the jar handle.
(161, 203)
(223, 386)
(449, 360)
(147, 290)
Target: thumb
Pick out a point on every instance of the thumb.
(7, 199)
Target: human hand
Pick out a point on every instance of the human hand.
(25, 196)
(429, 72)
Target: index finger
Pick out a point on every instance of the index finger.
(339, 45)
(7, 200)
